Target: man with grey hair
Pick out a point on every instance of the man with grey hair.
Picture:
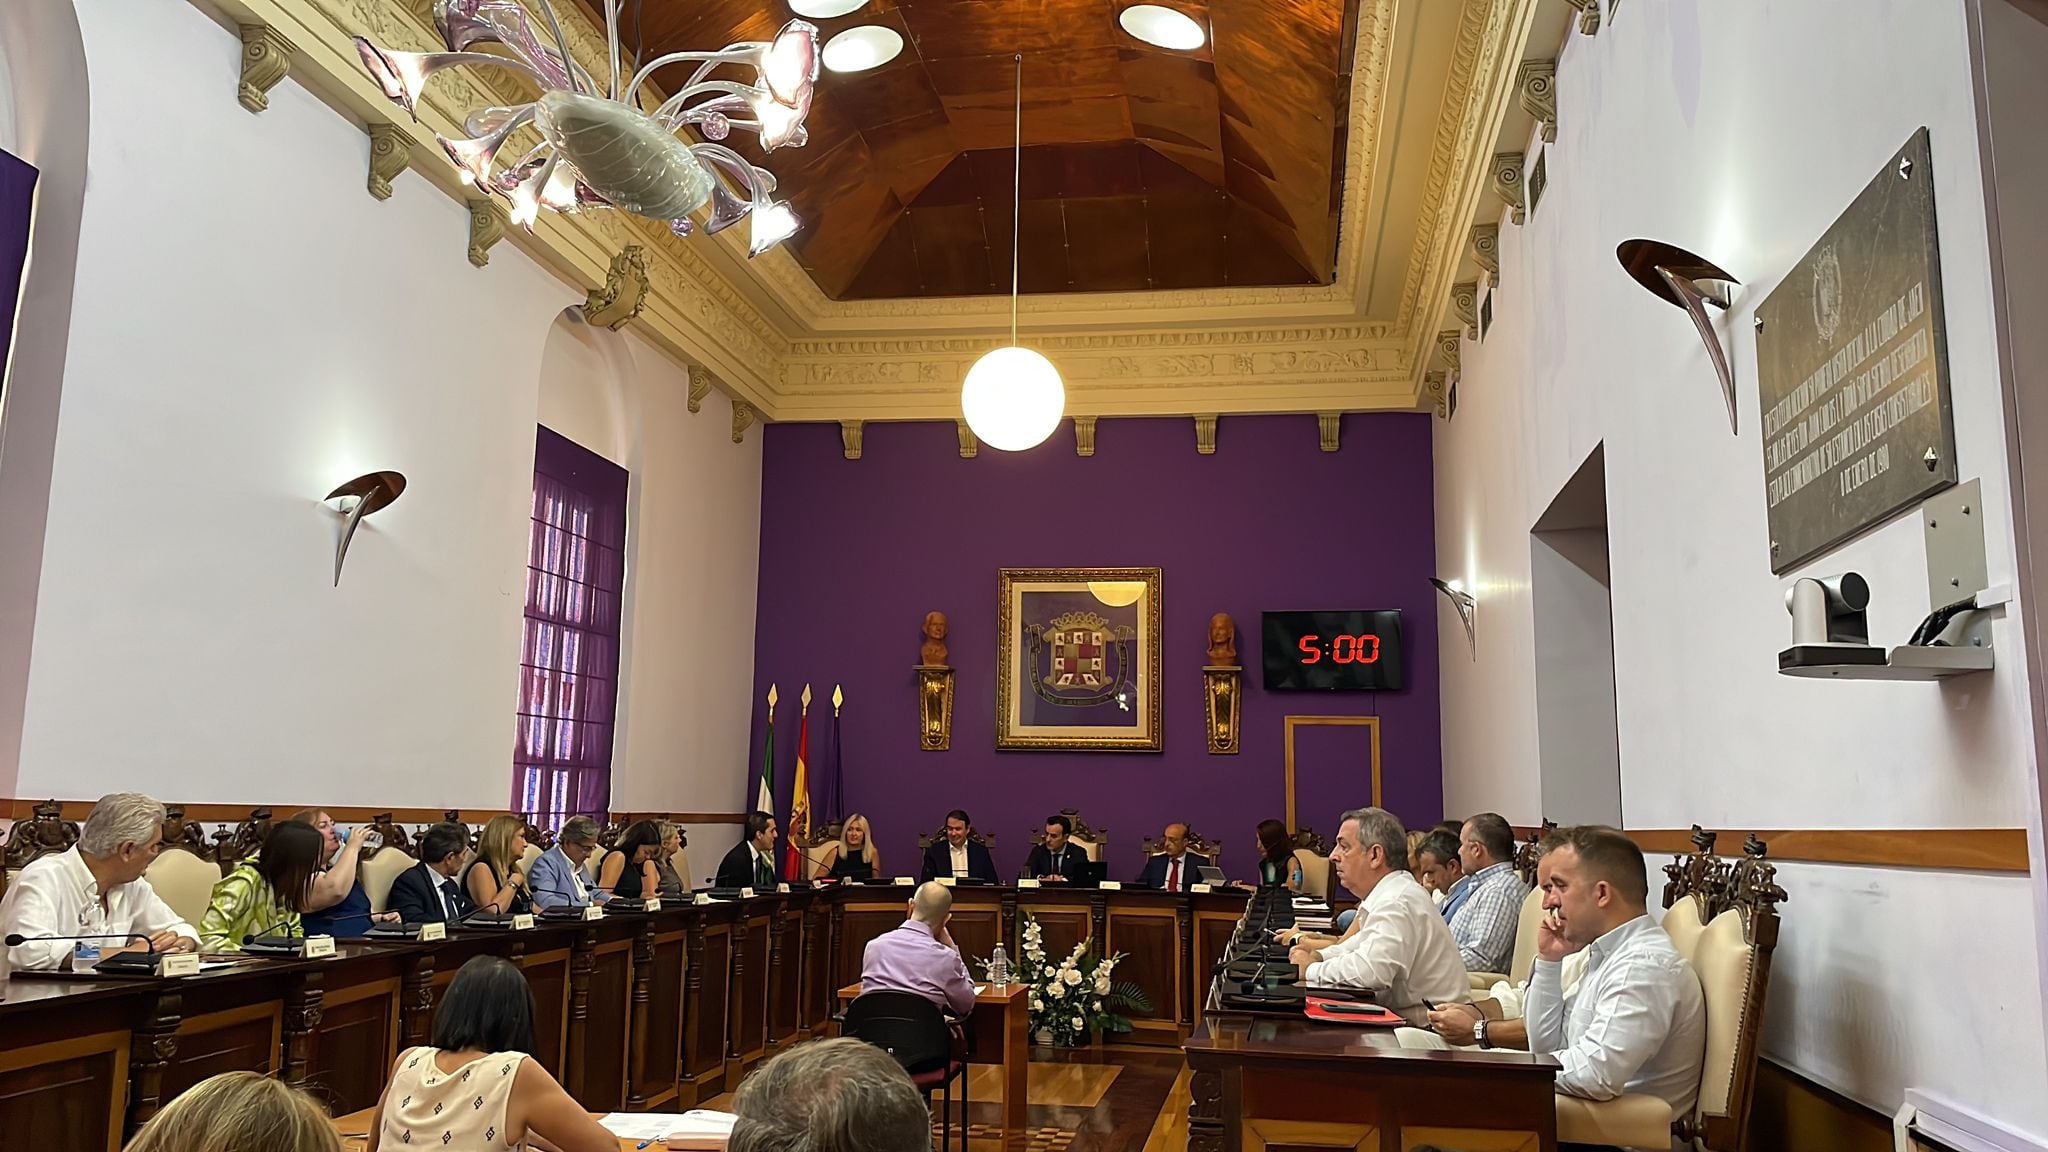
(96, 889)
(557, 879)
(839, 1095)
(1403, 951)
(918, 956)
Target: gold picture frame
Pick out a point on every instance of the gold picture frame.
(1078, 659)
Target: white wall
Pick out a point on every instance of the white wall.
(1741, 131)
(251, 329)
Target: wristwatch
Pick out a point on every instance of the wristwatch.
(1479, 1032)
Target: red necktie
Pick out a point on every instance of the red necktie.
(1173, 876)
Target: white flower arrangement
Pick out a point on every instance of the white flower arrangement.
(1075, 997)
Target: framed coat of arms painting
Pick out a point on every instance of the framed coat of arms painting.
(1078, 659)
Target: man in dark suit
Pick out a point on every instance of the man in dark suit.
(1174, 868)
(958, 856)
(1058, 860)
(427, 892)
(751, 863)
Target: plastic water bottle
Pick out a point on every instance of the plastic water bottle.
(86, 956)
(999, 967)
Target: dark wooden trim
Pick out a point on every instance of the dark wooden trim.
(1945, 849)
(1792, 1111)
(686, 817)
(23, 809)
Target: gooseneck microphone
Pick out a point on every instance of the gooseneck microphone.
(144, 961)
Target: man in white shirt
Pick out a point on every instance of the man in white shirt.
(1403, 951)
(1637, 1022)
(96, 888)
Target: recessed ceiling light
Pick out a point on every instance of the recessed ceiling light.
(825, 9)
(1162, 27)
(862, 48)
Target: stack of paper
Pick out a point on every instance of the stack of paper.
(698, 1130)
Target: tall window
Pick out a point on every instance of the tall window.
(569, 661)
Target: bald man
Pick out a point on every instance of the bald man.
(1173, 869)
(918, 956)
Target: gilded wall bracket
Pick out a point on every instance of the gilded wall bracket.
(849, 438)
(266, 59)
(701, 382)
(1538, 83)
(390, 153)
(1084, 435)
(486, 227)
(1465, 302)
(935, 707)
(1205, 434)
(624, 291)
(742, 419)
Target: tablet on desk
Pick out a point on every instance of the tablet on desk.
(1211, 874)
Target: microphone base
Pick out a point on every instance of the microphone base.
(289, 947)
(149, 964)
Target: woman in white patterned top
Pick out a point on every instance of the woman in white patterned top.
(475, 1090)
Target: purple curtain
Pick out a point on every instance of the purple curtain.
(569, 661)
(17, 204)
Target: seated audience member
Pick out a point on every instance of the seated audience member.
(1438, 866)
(958, 855)
(1278, 866)
(475, 1086)
(427, 892)
(1402, 950)
(918, 956)
(751, 863)
(239, 1112)
(1497, 1021)
(1173, 869)
(557, 879)
(95, 887)
(266, 893)
(854, 857)
(1485, 909)
(493, 880)
(838, 1095)
(337, 904)
(670, 883)
(628, 871)
(1058, 860)
(1638, 1021)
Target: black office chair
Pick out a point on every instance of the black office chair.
(914, 1031)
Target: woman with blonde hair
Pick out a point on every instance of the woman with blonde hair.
(854, 856)
(670, 881)
(239, 1112)
(494, 880)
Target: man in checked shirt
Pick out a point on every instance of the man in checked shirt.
(1484, 908)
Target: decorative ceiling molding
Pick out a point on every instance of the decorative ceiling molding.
(765, 334)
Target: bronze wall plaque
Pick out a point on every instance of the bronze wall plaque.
(1852, 369)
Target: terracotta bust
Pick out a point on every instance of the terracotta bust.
(933, 650)
(1222, 640)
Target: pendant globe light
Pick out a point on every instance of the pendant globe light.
(1012, 397)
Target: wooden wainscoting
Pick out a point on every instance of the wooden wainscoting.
(1942, 849)
(1794, 1114)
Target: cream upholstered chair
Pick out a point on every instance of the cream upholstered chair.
(184, 881)
(1093, 841)
(1732, 956)
(680, 861)
(1524, 959)
(377, 872)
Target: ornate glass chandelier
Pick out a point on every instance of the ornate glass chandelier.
(597, 147)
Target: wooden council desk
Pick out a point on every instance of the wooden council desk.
(999, 1032)
(1264, 1082)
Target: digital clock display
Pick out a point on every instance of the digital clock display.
(1358, 651)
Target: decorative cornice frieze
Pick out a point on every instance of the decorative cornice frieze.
(970, 445)
(1538, 83)
(1465, 302)
(623, 293)
(1486, 247)
(849, 438)
(390, 153)
(486, 227)
(1507, 183)
(266, 59)
(742, 419)
(1329, 425)
(1084, 435)
(1589, 15)
(701, 383)
(1205, 434)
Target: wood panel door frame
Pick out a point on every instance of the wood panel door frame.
(1290, 723)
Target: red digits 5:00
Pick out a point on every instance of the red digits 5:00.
(1363, 649)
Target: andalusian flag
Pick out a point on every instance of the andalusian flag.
(800, 794)
(764, 801)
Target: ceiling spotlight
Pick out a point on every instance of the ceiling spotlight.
(826, 9)
(1683, 280)
(862, 48)
(1162, 27)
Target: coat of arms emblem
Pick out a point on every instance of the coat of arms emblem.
(1079, 670)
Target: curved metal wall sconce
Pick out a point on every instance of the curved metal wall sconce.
(358, 498)
(1468, 610)
(1678, 277)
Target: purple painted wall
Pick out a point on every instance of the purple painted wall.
(17, 206)
(855, 552)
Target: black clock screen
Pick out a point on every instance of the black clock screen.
(1349, 651)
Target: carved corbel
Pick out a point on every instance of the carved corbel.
(390, 154)
(1220, 684)
(1433, 384)
(1084, 435)
(1329, 426)
(1452, 347)
(849, 438)
(1486, 247)
(701, 381)
(486, 227)
(970, 445)
(1507, 182)
(742, 419)
(624, 292)
(1465, 302)
(1538, 82)
(266, 59)
(935, 707)
(1205, 434)
(1589, 15)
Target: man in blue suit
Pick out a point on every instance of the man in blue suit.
(558, 872)
(427, 892)
(958, 856)
(1174, 868)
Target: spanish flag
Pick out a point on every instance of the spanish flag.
(800, 796)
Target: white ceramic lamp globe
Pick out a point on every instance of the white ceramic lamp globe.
(1013, 399)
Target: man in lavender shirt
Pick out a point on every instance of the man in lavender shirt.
(919, 956)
